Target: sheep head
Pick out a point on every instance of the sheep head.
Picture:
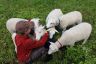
(51, 23)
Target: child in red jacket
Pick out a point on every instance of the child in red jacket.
(25, 45)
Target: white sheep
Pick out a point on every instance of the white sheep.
(79, 32)
(11, 23)
(53, 18)
(71, 18)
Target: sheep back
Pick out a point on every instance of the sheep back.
(11, 23)
(70, 19)
(54, 14)
(76, 33)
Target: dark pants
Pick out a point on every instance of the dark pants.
(39, 53)
(36, 54)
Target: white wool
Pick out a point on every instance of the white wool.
(40, 31)
(53, 17)
(70, 18)
(11, 23)
(79, 32)
(36, 22)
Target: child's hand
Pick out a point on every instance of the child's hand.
(52, 48)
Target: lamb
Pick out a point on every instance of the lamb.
(79, 32)
(70, 18)
(53, 18)
(11, 23)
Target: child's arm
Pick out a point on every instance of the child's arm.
(29, 43)
(41, 42)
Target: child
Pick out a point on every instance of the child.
(25, 44)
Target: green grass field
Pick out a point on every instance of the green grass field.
(79, 54)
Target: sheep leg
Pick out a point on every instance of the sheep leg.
(71, 45)
(84, 41)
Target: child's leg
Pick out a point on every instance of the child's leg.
(41, 53)
(37, 53)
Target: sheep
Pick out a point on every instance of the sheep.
(79, 32)
(11, 23)
(71, 18)
(53, 18)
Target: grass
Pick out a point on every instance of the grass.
(79, 54)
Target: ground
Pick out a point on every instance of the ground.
(79, 54)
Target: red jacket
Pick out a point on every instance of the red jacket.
(25, 45)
